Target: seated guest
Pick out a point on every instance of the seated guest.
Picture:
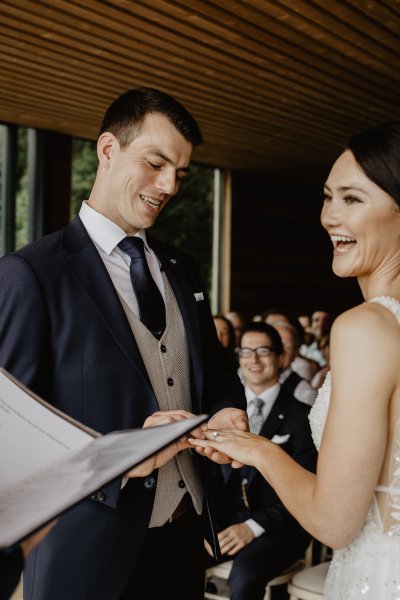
(290, 380)
(256, 530)
(319, 377)
(305, 322)
(299, 364)
(226, 336)
(321, 322)
(238, 323)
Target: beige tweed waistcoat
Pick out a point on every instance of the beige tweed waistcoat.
(168, 367)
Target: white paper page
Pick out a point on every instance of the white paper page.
(25, 507)
(31, 436)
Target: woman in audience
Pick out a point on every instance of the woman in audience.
(352, 503)
(319, 377)
(226, 336)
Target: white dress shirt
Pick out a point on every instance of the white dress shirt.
(302, 366)
(105, 234)
(269, 396)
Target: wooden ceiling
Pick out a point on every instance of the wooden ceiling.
(275, 84)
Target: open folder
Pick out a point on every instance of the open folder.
(49, 461)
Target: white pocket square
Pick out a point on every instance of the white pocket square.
(199, 296)
(280, 439)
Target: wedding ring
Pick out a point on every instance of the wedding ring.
(214, 434)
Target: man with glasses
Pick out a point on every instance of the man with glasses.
(257, 530)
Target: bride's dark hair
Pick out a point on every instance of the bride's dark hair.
(377, 151)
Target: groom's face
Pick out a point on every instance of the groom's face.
(139, 180)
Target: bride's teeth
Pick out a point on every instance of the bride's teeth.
(341, 238)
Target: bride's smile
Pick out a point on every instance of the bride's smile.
(362, 220)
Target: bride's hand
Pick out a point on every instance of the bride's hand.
(242, 447)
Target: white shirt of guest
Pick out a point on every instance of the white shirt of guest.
(105, 234)
(269, 396)
(303, 391)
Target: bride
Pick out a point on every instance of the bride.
(352, 504)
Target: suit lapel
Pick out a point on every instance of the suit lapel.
(277, 415)
(86, 266)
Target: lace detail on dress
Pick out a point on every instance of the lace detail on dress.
(390, 303)
(390, 512)
(319, 411)
(391, 509)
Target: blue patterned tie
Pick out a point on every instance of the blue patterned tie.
(257, 419)
(150, 302)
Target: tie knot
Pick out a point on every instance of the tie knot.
(259, 403)
(132, 246)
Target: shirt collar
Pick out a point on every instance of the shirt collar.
(269, 395)
(103, 232)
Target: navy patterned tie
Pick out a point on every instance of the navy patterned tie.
(256, 420)
(150, 301)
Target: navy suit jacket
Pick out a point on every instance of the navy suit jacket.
(288, 422)
(64, 333)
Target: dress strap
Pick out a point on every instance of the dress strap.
(390, 303)
(387, 489)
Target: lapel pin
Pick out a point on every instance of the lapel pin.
(281, 416)
(173, 261)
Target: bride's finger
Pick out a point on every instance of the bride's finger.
(202, 443)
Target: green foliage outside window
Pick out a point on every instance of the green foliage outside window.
(187, 221)
(84, 167)
(21, 198)
(2, 128)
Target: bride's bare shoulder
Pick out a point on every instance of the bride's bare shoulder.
(367, 323)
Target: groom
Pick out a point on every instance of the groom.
(75, 327)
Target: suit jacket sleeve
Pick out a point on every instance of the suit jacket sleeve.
(23, 323)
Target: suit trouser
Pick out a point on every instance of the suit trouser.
(262, 560)
(171, 565)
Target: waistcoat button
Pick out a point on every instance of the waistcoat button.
(149, 483)
(170, 381)
(163, 348)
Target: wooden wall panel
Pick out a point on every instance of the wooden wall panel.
(281, 255)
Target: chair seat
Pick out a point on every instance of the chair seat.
(223, 570)
(308, 584)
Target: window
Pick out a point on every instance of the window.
(18, 204)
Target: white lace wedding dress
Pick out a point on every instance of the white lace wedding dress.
(369, 566)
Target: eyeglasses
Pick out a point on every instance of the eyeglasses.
(261, 351)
